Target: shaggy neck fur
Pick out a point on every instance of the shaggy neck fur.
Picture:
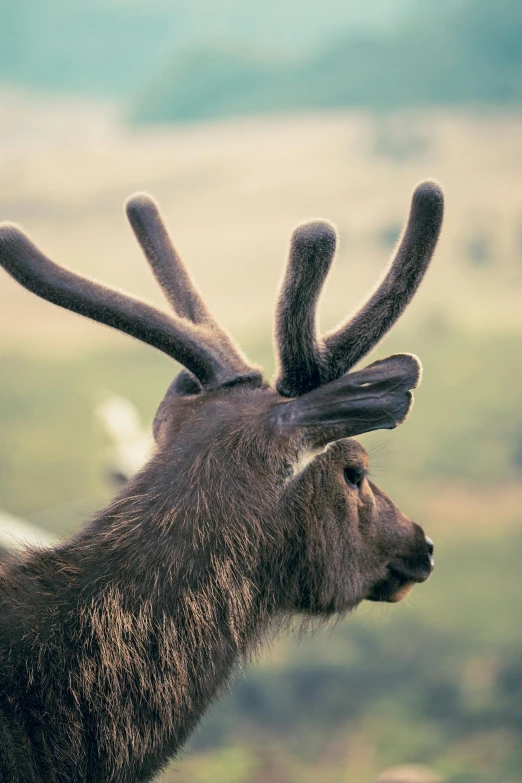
(113, 645)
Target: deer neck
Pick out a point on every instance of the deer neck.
(161, 597)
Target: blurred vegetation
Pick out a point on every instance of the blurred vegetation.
(436, 680)
(106, 47)
(186, 61)
(461, 52)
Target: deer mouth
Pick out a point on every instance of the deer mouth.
(397, 585)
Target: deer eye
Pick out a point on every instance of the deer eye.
(354, 477)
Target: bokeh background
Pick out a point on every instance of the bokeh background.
(244, 118)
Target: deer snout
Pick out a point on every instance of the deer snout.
(416, 563)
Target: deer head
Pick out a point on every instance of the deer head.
(273, 466)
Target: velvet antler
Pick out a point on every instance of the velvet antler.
(301, 359)
(194, 339)
(179, 288)
(169, 270)
(305, 360)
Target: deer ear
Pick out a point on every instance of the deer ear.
(375, 398)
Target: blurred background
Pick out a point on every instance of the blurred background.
(244, 118)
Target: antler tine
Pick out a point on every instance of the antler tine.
(301, 363)
(175, 281)
(168, 268)
(175, 337)
(346, 345)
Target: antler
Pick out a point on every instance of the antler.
(301, 354)
(177, 285)
(193, 339)
(306, 361)
(169, 270)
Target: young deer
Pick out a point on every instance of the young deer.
(255, 505)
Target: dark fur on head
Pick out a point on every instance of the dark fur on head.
(255, 506)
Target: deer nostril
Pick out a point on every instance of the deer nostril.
(431, 548)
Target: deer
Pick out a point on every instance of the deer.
(256, 506)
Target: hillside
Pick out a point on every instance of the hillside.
(463, 52)
(107, 48)
(181, 61)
